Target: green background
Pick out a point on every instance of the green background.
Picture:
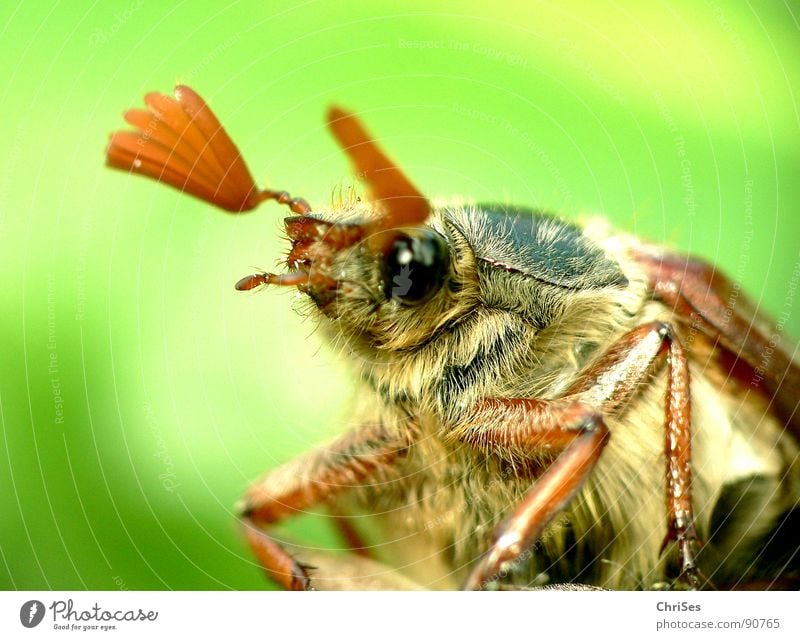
(679, 121)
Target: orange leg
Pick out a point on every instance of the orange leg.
(305, 483)
(706, 301)
(574, 424)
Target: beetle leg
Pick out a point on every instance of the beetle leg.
(352, 537)
(678, 450)
(551, 493)
(574, 424)
(306, 482)
(703, 298)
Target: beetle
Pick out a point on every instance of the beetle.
(544, 403)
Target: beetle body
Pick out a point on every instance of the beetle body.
(528, 302)
(540, 403)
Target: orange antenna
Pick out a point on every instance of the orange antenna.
(402, 203)
(181, 142)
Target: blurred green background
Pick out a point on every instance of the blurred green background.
(139, 393)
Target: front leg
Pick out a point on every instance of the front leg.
(582, 430)
(574, 424)
(306, 482)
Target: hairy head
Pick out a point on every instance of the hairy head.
(420, 294)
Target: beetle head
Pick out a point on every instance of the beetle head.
(382, 269)
(390, 270)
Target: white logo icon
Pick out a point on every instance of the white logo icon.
(31, 613)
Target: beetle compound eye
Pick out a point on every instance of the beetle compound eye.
(415, 267)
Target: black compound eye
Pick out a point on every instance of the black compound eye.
(416, 266)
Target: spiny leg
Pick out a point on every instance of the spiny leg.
(304, 483)
(552, 492)
(574, 424)
(677, 422)
(678, 451)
